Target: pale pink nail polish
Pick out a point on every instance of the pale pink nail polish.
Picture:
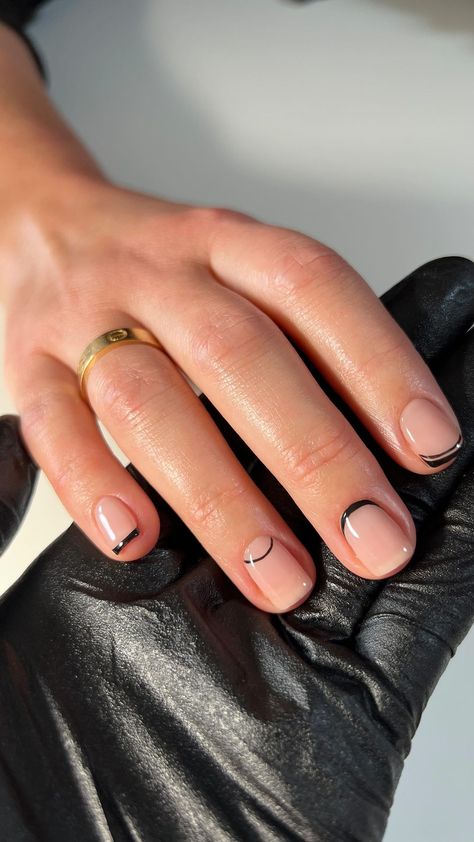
(433, 436)
(116, 521)
(277, 572)
(376, 539)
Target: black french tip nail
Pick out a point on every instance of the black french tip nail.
(133, 534)
(438, 459)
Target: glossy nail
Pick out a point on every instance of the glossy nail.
(277, 572)
(117, 523)
(376, 539)
(433, 436)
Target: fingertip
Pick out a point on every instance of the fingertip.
(431, 434)
(377, 539)
(281, 576)
(127, 536)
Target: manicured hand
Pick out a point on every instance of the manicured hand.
(224, 294)
(214, 720)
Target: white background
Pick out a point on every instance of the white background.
(351, 120)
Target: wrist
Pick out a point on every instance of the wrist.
(38, 221)
(45, 194)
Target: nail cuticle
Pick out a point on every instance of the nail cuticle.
(379, 543)
(352, 508)
(252, 560)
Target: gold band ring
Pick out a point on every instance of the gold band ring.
(99, 346)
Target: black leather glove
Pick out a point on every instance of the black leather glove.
(152, 701)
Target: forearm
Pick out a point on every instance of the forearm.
(35, 141)
(40, 156)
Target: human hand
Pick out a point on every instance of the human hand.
(219, 290)
(150, 701)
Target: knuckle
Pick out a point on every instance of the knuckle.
(117, 393)
(72, 473)
(305, 460)
(228, 337)
(204, 224)
(39, 412)
(33, 417)
(302, 262)
(213, 216)
(124, 393)
(68, 464)
(209, 507)
(387, 354)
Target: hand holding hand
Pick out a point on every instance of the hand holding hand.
(151, 701)
(231, 300)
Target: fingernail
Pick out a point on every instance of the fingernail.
(433, 436)
(277, 572)
(376, 539)
(116, 521)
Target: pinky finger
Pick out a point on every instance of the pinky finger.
(64, 438)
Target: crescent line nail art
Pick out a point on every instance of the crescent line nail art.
(440, 458)
(277, 573)
(259, 558)
(433, 435)
(377, 540)
(352, 508)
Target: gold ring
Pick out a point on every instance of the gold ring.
(105, 342)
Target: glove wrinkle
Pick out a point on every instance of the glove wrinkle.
(18, 475)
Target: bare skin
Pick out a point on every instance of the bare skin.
(80, 256)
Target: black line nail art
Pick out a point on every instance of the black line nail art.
(352, 508)
(251, 560)
(126, 541)
(440, 458)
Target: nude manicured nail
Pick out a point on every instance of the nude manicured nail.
(376, 539)
(277, 572)
(116, 521)
(433, 436)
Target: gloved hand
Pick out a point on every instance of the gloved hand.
(151, 701)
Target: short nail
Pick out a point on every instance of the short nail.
(433, 436)
(378, 542)
(277, 572)
(117, 523)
